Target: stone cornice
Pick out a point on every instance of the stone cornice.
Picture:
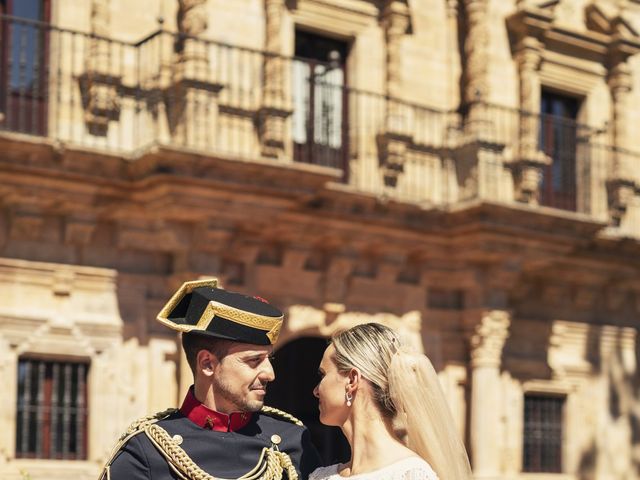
(123, 192)
(615, 39)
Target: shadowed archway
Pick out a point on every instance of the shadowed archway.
(296, 367)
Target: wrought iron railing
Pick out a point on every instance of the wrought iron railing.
(577, 153)
(223, 100)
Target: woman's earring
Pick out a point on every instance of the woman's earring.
(349, 398)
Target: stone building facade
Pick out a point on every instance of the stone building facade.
(463, 170)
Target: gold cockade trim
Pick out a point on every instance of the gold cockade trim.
(185, 289)
(261, 322)
(271, 325)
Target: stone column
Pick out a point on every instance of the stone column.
(476, 50)
(487, 336)
(275, 105)
(396, 138)
(530, 162)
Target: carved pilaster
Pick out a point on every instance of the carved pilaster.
(623, 183)
(528, 57)
(192, 22)
(394, 141)
(275, 107)
(274, 74)
(620, 82)
(192, 97)
(453, 7)
(100, 20)
(530, 162)
(487, 336)
(476, 50)
(395, 19)
(100, 88)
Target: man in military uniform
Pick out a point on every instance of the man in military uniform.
(222, 429)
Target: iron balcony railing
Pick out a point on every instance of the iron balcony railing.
(222, 100)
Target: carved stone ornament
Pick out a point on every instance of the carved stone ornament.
(393, 153)
(488, 337)
(192, 17)
(620, 194)
(528, 179)
(271, 129)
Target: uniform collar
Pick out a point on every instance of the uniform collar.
(210, 419)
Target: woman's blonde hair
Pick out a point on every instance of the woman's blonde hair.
(405, 385)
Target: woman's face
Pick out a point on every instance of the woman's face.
(331, 391)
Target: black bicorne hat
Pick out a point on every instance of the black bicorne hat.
(200, 307)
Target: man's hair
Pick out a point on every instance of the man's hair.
(192, 343)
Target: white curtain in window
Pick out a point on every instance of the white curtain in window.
(327, 104)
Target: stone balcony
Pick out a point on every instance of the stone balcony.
(187, 96)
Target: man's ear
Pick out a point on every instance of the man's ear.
(206, 362)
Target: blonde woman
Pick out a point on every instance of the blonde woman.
(369, 384)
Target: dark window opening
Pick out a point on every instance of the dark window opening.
(24, 66)
(542, 450)
(320, 100)
(52, 410)
(559, 140)
(295, 365)
(445, 299)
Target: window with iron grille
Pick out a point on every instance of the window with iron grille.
(52, 409)
(542, 450)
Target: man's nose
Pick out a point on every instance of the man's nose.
(266, 372)
(315, 392)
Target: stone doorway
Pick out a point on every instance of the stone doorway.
(296, 367)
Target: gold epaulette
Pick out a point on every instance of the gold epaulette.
(282, 414)
(271, 464)
(132, 430)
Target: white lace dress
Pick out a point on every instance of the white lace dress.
(412, 468)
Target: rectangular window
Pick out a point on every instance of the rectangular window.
(24, 65)
(559, 140)
(445, 299)
(542, 450)
(320, 100)
(52, 410)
